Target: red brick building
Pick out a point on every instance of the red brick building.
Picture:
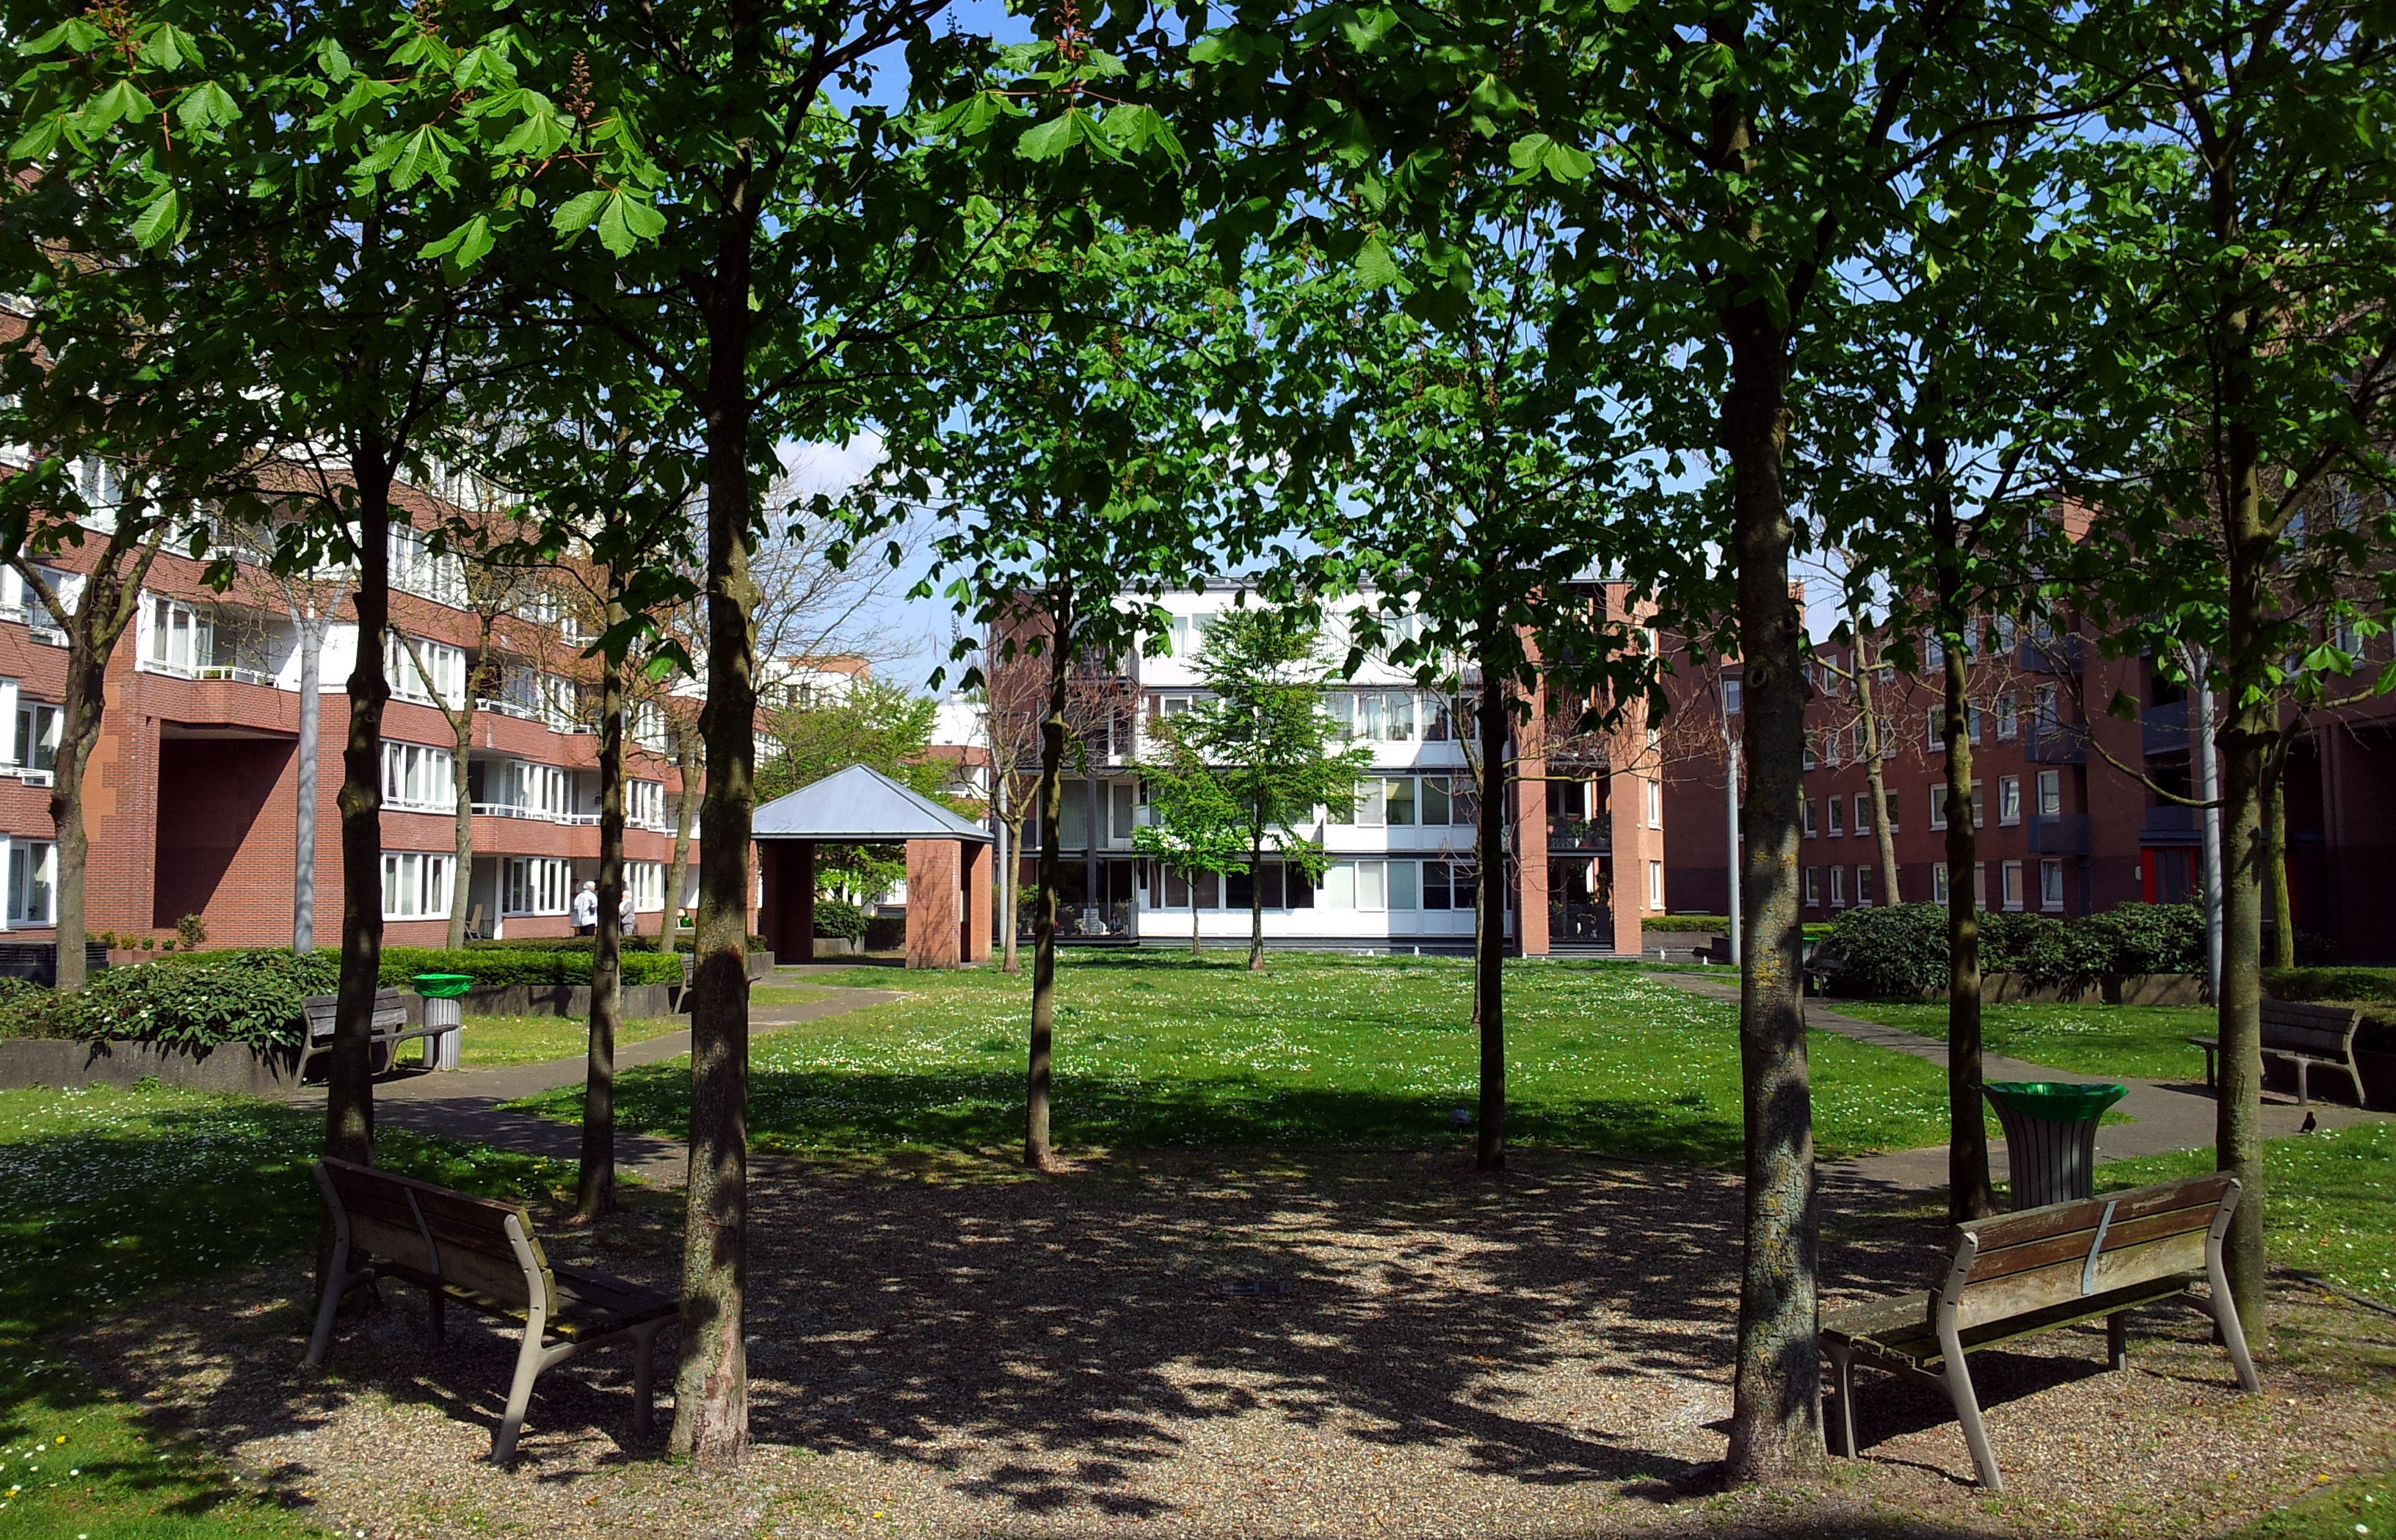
(190, 795)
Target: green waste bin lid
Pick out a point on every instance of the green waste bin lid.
(443, 986)
(2056, 1101)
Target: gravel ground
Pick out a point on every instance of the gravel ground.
(1226, 1345)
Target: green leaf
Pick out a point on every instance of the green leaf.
(1052, 138)
(1375, 266)
(122, 100)
(577, 213)
(161, 220)
(625, 223)
(333, 60)
(167, 48)
(37, 141)
(75, 33)
(465, 246)
(205, 106)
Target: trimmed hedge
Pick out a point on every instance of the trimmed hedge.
(2330, 984)
(1697, 923)
(838, 917)
(249, 995)
(563, 943)
(1900, 952)
(498, 966)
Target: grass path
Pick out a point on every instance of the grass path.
(1153, 1050)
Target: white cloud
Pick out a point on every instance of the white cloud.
(815, 468)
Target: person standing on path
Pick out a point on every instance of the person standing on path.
(586, 910)
(625, 914)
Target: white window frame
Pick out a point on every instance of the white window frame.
(1813, 887)
(2050, 793)
(1863, 813)
(33, 884)
(1863, 886)
(34, 736)
(1938, 805)
(417, 884)
(1655, 804)
(535, 885)
(2008, 799)
(1805, 816)
(418, 776)
(2010, 878)
(1940, 891)
(166, 621)
(1838, 887)
(447, 664)
(2050, 884)
(1655, 886)
(2008, 716)
(1834, 808)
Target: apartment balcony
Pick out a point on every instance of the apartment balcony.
(2056, 743)
(2170, 825)
(2162, 730)
(2056, 654)
(1591, 835)
(2065, 836)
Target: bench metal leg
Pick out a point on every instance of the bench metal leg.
(2304, 1083)
(2226, 1326)
(2116, 1340)
(1967, 1412)
(645, 1377)
(337, 1289)
(530, 1361)
(1843, 1376)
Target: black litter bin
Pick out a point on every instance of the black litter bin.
(2051, 1136)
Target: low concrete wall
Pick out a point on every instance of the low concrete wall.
(2111, 989)
(558, 999)
(60, 1062)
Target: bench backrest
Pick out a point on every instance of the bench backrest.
(2017, 1262)
(477, 1243)
(389, 1012)
(2326, 1029)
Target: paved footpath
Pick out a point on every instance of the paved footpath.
(2169, 1115)
(464, 1104)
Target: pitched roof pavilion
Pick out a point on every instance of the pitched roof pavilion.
(860, 806)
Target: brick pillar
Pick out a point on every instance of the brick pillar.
(932, 919)
(1531, 855)
(1634, 845)
(799, 869)
(976, 859)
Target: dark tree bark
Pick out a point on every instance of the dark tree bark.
(1489, 928)
(711, 1385)
(348, 1077)
(1775, 1422)
(595, 1187)
(1969, 1193)
(1037, 1151)
(1875, 776)
(1256, 907)
(2275, 820)
(685, 815)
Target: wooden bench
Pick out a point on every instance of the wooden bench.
(390, 1028)
(2033, 1271)
(2305, 1036)
(481, 1254)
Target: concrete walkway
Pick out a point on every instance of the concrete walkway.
(2169, 1115)
(464, 1104)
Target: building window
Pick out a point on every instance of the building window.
(1810, 762)
(1813, 887)
(1805, 816)
(445, 664)
(1447, 884)
(646, 720)
(35, 745)
(1940, 892)
(1398, 802)
(1838, 811)
(1372, 805)
(1971, 723)
(418, 776)
(415, 885)
(2050, 884)
(1863, 886)
(2012, 876)
(2045, 710)
(519, 789)
(1375, 716)
(1655, 886)
(1655, 804)
(647, 882)
(534, 884)
(1731, 702)
(1939, 808)
(1838, 887)
(1980, 883)
(2050, 793)
(1890, 812)
(2008, 799)
(33, 882)
(416, 570)
(1978, 802)
(1863, 812)
(1935, 735)
(1402, 882)
(181, 641)
(2008, 716)
(645, 803)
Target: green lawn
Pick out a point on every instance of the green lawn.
(492, 1040)
(798, 994)
(2142, 1042)
(1155, 1050)
(2329, 1207)
(2349, 1510)
(109, 1195)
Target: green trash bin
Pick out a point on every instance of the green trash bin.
(2051, 1136)
(443, 1007)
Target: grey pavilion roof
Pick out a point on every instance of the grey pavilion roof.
(859, 806)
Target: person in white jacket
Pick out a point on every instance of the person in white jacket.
(586, 910)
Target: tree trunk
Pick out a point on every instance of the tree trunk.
(595, 1191)
(310, 638)
(1036, 1148)
(1011, 894)
(685, 814)
(711, 1385)
(1775, 1416)
(2275, 818)
(1489, 925)
(1875, 776)
(1196, 952)
(461, 795)
(1255, 906)
(1969, 1194)
(348, 1076)
(79, 718)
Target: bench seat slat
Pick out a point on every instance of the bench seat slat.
(1905, 1332)
(2072, 1245)
(589, 1305)
(2015, 1229)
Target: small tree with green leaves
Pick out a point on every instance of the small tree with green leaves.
(1197, 824)
(1268, 741)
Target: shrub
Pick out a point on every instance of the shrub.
(197, 999)
(563, 943)
(840, 918)
(496, 967)
(2152, 938)
(1897, 952)
(1698, 922)
(2330, 984)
